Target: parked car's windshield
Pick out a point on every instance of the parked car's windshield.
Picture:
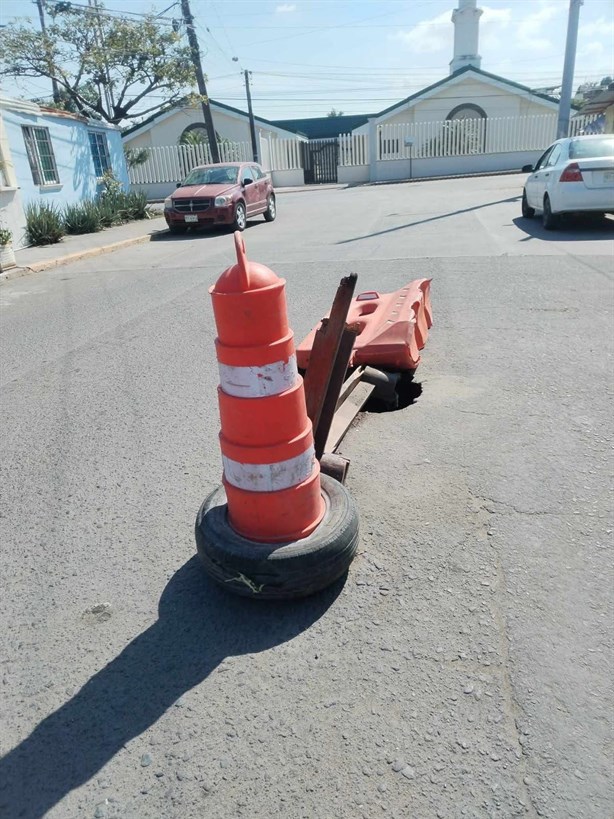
(586, 148)
(220, 175)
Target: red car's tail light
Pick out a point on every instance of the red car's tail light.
(572, 173)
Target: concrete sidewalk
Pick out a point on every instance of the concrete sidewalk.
(73, 248)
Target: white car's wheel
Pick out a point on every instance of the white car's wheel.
(527, 211)
(550, 220)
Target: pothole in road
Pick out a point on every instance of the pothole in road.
(408, 391)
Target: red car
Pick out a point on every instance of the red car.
(225, 194)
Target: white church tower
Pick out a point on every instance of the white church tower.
(466, 19)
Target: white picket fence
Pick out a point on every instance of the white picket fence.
(280, 154)
(469, 137)
(353, 149)
(439, 148)
(171, 163)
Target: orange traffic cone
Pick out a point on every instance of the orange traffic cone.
(271, 475)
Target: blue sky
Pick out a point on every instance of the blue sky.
(361, 56)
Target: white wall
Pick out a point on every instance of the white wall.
(353, 174)
(495, 100)
(288, 179)
(11, 209)
(168, 129)
(156, 191)
(12, 216)
(453, 165)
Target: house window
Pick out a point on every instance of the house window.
(465, 130)
(100, 152)
(40, 155)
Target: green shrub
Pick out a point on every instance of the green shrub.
(111, 184)
(136, 205)
(112, 201)
(82, 218)
(107, 212)
(44, 223)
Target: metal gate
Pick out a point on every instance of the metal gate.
(320, 159)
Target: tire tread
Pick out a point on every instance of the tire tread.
(282, 570)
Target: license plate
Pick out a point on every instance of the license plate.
(191, 217)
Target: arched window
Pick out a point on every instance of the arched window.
(467, 111)
(196, 134)
(467, 128)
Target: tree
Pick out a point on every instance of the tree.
(105, 67)
(63, 103)
(194, 136)
(586, 90)
(334, 113)
(136, 156)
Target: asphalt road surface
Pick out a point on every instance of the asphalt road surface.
(464, 666)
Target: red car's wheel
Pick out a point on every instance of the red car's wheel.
(271, 211)
(240, 217)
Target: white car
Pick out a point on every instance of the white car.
(575, 175)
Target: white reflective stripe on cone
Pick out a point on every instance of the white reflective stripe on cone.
(270, 477)
(258, 382)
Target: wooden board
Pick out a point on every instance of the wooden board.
(346, 413)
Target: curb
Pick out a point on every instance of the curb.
(39, 267)
(415, 179)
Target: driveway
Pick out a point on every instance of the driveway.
(463, 668)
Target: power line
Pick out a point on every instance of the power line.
(384, 80)
(233, 50)
(204, 31)
(112, 12)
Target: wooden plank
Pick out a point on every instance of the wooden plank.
(335, 384)
(346, 414)
(325, 348)
(349, 384)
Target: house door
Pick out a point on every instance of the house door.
(320, 159)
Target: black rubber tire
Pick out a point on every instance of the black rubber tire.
(239, 224)
(549, 220)
(177, 230)
(268, 215)
(278, 571)
(527, 212)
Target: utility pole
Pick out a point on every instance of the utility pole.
(54, 85)
(200, 78)
(562, 129)
(252, 124)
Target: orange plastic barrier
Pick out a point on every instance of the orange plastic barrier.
(394, 327)
(271, 475)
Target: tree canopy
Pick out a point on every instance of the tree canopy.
(105, 67)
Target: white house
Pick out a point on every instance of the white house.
(468, 92)
(470, 121)
(231, 124)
